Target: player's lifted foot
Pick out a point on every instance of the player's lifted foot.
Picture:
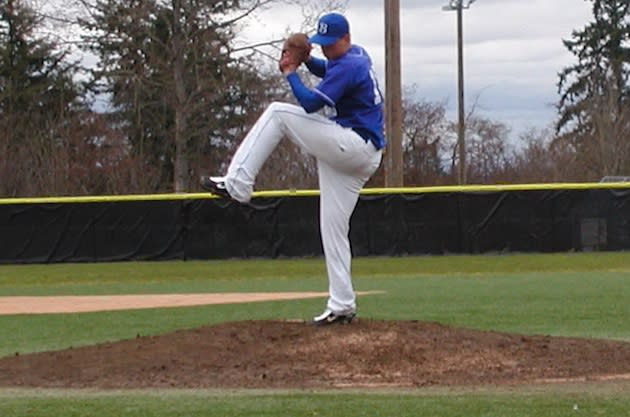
(216, 185)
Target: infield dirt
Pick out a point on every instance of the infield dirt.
(277, 354)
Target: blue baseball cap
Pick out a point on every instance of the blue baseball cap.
(330, 28)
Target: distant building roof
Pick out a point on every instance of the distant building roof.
(615, 178)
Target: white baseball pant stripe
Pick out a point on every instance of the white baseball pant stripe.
(345, 161)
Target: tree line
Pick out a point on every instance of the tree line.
(171, 95)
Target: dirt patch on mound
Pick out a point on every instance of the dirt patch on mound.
(270, 354)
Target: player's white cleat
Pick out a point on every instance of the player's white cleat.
(328, 317)
(216, 185)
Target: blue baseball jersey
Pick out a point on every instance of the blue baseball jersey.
(349, 85)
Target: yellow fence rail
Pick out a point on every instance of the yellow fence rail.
(306, 193)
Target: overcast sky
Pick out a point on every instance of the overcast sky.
(513, 51)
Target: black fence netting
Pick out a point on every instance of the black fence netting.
(460, 222)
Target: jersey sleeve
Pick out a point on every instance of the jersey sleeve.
(316, 66)
(310, 101)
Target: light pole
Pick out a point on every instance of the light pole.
(458, 5)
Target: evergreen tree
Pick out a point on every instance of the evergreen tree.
(176, 89)
(595, 93)
(37, 95)
(35, 81)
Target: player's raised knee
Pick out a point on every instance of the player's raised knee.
(281, 106)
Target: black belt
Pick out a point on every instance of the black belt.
(364, 133)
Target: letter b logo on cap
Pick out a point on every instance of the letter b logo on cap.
(323, 28)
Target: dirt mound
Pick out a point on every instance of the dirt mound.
(270, 354)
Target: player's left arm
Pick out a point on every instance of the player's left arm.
(328, 92)
(308, 99)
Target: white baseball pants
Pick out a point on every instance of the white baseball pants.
(345, 161)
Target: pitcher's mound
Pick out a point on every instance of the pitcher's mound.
(277, 354)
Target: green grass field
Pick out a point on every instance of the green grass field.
(583, 295)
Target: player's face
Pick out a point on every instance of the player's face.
(337, 49)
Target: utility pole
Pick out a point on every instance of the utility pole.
(393, 96)
(458, 5)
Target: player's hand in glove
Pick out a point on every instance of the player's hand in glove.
(295, 50)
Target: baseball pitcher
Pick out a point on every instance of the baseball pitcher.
(347, 147)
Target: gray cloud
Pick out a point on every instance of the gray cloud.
(513, 50)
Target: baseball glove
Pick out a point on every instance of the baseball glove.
(295, 50)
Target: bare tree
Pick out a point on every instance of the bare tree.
(424, 128)
(533, 161)
(487, 150)
(182, 89)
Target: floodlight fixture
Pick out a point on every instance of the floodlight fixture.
(457, 4)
